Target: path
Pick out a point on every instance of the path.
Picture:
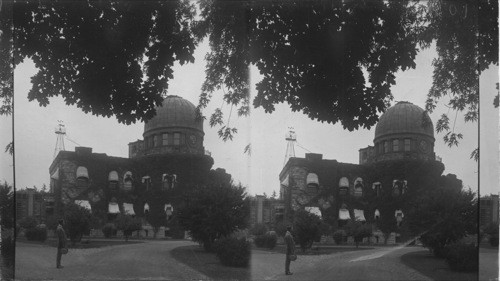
(373, 264)
(142, 261)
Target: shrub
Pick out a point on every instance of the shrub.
(338, 236)
(233, 252)
(36, 234)
(8, 247)
(492, 231)
(267, 240)
(28, 223)
(109, 230)
(258, 229)
(462, 257)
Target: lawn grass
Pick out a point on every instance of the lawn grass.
(208, 264)
(84, 244)
(435, 268)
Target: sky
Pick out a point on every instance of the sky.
(35, 139)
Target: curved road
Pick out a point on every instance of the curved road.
(141, 261)
(152, 260)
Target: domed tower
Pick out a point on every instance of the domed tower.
(173, 130)
(404, 131)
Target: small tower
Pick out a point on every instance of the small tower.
(291, 138)
(61, 133)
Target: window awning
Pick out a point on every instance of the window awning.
(358, 182)
(344, 182)
(146, 179)
(376, 185)
(127, 176)
(83, 203)
(128, 209)
(55, 174)
(81, 172)
(313, 210)
(285, 181)
(359, 215)
(399, 213)
(169, 209)
(113, 208)
(113, 176)
(344, 214)
(312, 180)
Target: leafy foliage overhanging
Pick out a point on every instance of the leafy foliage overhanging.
(332, 60)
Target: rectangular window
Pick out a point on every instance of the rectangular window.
(386, 146)
(155, 141)
(164, 140)
(407, 144)
(395, 145)
(177, 138)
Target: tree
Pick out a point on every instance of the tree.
(6, 205)
(333, 60)
(213, 212)
(453, 212)
(358, 231)
(76, 221)
(307, 228)
(128, 224)
(107, 58)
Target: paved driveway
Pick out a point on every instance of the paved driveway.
(374, 264)
(142, 261)
(152, 260)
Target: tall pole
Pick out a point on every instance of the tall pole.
(60, 132)
(291, 138)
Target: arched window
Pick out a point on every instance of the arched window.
(146, 180)
(343, 186)
(127, 181)
(398, 187)
(312, 180)
(128, 209)
(146, 208)
(358, 187)
(359, 215)
(82, 177)
(169, 181)
(113, 180)
(377, 187)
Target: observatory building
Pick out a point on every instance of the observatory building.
(170, 159)
(399, 166)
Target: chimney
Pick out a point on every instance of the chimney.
(314, 156)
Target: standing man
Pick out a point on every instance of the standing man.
(61, 237)
(290, 249)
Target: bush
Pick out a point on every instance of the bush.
(338, 236)
(258, 230)
(28, 223)
(233, 251)
(462, 257)
(109, 230)
(36, 234)
(492, 231)
(8, 247)
(267, 240)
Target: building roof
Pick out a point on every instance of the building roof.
(404, 118)
(175, 112)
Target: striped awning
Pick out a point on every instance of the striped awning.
(113, 176)
(55, 174)
(313, 210)
(128, 209)
(84, 203)
(344, 214)
(359, 215)
(113, 208)
(81, 172)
